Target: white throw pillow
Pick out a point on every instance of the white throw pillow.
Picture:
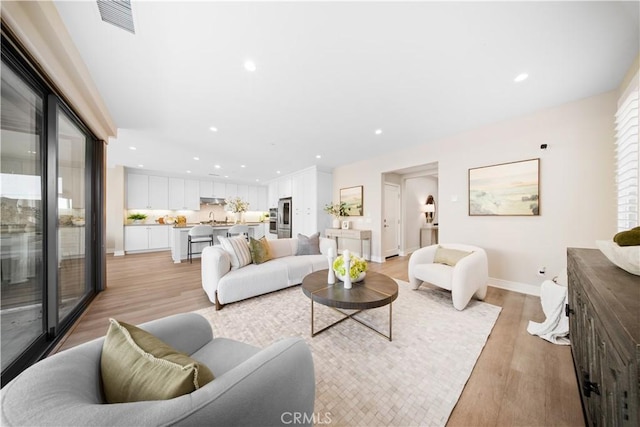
(238, 249)
(625, 257)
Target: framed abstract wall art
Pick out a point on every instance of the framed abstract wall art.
(352, 197)
(505, 189)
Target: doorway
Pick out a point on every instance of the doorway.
(391, 220)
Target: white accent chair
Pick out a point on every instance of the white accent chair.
(468, 278)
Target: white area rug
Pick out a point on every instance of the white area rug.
(362, 378)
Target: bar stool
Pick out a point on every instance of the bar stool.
(239, 229)
(199, 234)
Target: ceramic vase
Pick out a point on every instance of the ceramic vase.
(347, 269)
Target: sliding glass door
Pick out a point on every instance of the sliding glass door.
(72, 213)
(21, 217)
(50, 220)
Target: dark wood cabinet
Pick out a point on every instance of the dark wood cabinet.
(604, 328)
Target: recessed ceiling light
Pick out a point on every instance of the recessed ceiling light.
(521, 77)
(216, 166)
(257, 180)
(226, 176)
(213, 129)
(278, 172)
(132, 148)
(243, 166)
(196, 158)
(318, 156)
(188, 171)
(378, 131)
(249, 65)
(140, 166)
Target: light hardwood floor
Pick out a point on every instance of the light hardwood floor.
(519, 379)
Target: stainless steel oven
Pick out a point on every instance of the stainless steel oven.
(273, 220)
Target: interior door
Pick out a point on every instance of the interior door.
(391, 220)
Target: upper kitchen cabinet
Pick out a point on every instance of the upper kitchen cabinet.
(147, 192)
(184, 194)
(231, 191)
(311, 191)
(219, 189)
(213, 189)
(284, 187)
(206, 189)
(263, 204)
(278, 189)
(243, 193)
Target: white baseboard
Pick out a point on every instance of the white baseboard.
(118, 253)
(522, 288)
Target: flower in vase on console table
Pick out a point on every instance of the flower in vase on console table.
(357, 269)
(337, 210)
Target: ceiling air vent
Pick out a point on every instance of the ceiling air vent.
(118, 13)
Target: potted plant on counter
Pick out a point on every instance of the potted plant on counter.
(137, 218)
(337, 210)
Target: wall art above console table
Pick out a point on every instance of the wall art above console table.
(604, 329)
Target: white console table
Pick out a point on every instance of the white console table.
(362, 235)
(428, 235)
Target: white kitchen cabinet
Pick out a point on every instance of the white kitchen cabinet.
(311, 191)
(272, 194)
(252, 198)
(146, 238)
(243, 192)
(219, 189)
(263, 205)
(191, 194)
(147, 192)
(206, 189)
(184, 194)
(284, 187)
(231, 191)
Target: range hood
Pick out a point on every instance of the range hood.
(212, 201)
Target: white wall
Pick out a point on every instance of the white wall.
(577, 188)
(115, 210)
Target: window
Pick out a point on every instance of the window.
(627, 159)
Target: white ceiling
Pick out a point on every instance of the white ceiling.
(330, 73)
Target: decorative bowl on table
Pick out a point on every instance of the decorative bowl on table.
(78, 222)
(358, 268)
(360, 277)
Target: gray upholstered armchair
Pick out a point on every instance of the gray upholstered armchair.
(252, 386)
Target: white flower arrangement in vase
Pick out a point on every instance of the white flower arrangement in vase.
(238, 207)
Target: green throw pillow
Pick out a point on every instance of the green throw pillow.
(628, 238)
(449, 256)
(260, 251)
(137, 366)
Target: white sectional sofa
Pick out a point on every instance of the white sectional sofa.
(224, 285)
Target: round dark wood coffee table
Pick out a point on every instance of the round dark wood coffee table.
(376, 290)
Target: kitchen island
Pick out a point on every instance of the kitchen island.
(179, 241)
